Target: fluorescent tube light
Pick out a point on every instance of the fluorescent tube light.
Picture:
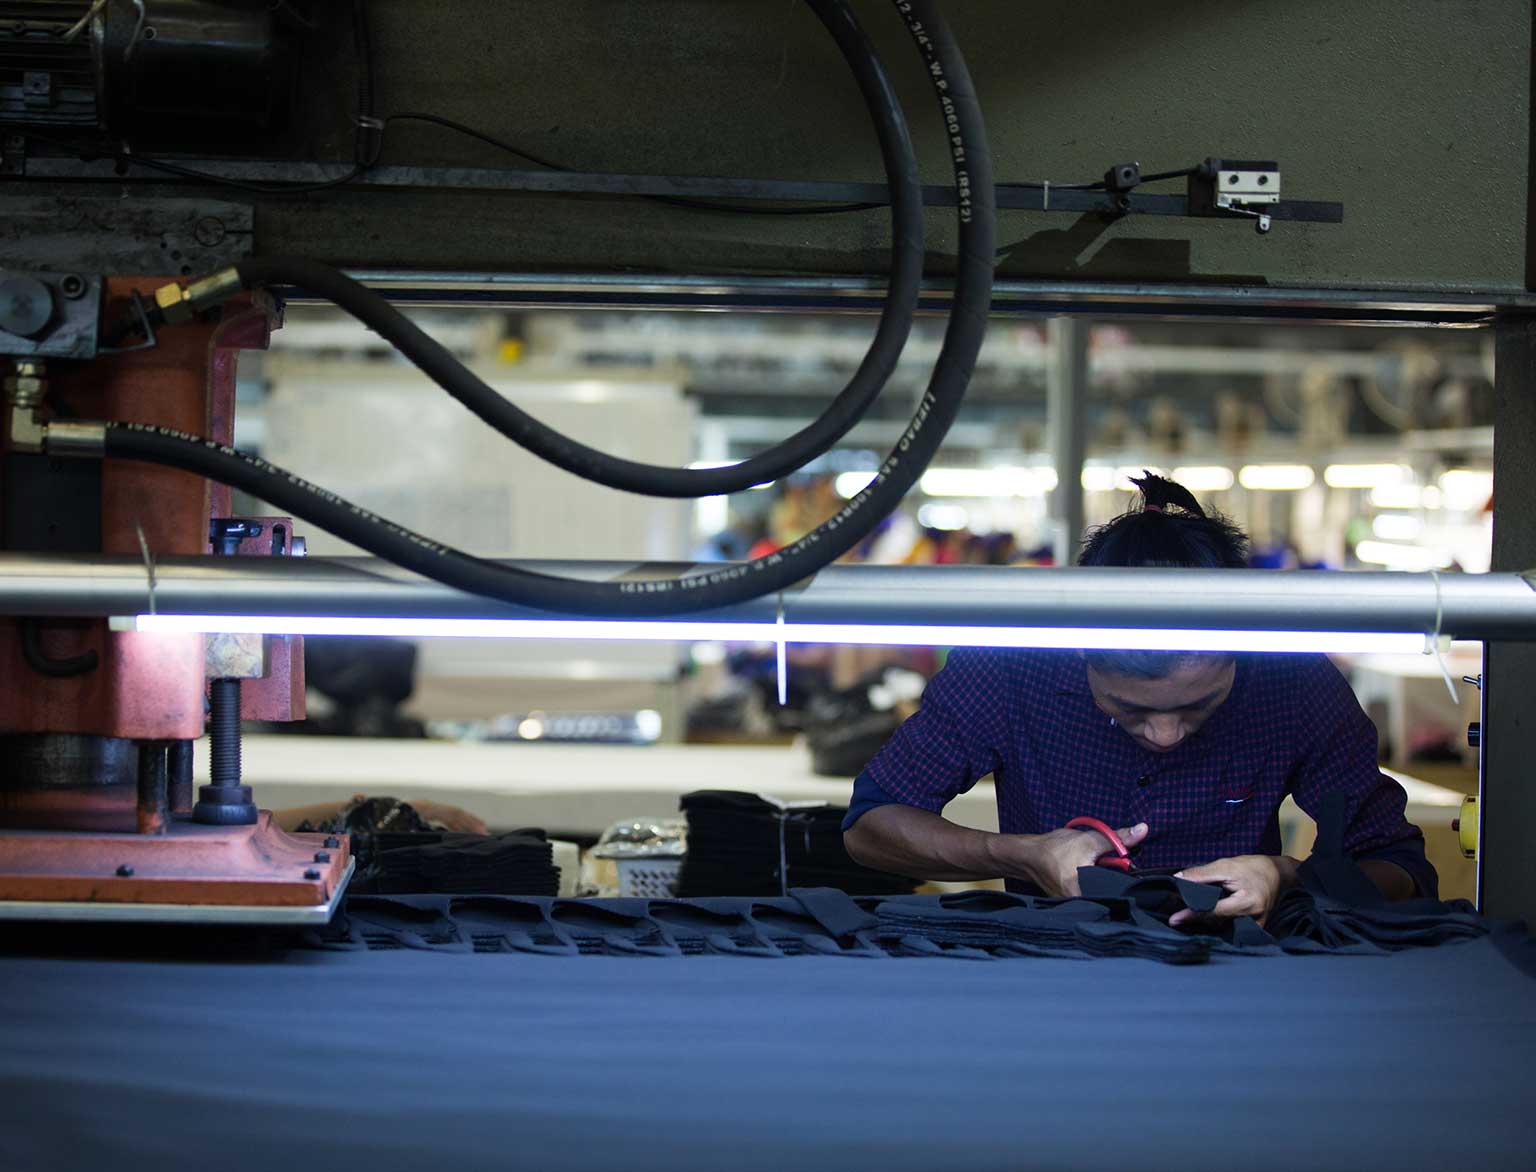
(982, 483)
(1365, 475)
(1203, 478)
(1466, 489)
(1097, 478)
(1406, 496)
(1402, 557)
(949, 517)
(849, 484)
(871, 635)
(1275, 477)
(1397, 527)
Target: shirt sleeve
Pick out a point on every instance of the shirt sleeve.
(1339, 757)
(956, 737)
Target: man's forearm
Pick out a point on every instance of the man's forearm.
(904, 840)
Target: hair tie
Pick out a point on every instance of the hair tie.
(1151, 508)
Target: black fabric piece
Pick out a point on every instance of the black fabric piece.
(399, 852)
(834, 911)
(1160, 894)
(519, 862)
(1330, 870)
(736, 841)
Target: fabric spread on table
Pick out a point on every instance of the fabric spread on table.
(1119, 915)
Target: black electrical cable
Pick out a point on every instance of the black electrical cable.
(783, 458)
(717, 586)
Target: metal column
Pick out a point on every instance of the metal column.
(1507, 804)
(1066, 408)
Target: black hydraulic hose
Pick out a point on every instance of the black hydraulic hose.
(852, 402)
(727, 584)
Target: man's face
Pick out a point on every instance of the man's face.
(1160, 714)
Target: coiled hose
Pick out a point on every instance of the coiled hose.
(846, 409)
(724, 585)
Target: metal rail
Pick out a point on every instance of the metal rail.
(1464, 606)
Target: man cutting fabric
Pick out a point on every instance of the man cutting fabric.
(1184, 757)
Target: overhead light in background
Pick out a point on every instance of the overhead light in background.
(1405, 496)
(1102, 478)
(1275, 477)
(857, 634)
(949, 517)
(1397, 527)
(1097, 478)
(1466, 489)
(711, 514)
(1414, 558)
(983, 483)
(1366, 475)
(1204, 478)
(1123, 476)
(849, 484)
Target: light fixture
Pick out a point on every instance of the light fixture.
(949, 517)
(1123, 476)
(1275, 477)
(1204, 478)
(858, 634)
(1466, 489)
(1397, 527)
(981, 483)
(1098, 478)
(1366, 475)
(1414, 558)
(1102, 478)
(849, 484)
(1406, 496)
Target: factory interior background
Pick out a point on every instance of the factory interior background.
(1339, 449)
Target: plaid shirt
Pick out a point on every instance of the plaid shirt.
(1291, 725)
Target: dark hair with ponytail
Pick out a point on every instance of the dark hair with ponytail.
(1168, 528)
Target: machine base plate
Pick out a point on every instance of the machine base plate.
(192, 873)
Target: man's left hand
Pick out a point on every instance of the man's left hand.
(1253, 883)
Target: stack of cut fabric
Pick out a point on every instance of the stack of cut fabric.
(1003, 924)
(743, 844)
(399, 852)
(519, 862)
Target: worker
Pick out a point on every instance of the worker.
(1186, 755)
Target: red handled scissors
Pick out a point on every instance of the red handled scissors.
(1118, 857)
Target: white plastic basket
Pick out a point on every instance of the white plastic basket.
(649, 878)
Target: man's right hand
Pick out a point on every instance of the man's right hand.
(1050, 861)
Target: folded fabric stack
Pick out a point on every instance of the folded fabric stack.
(1307, 921)
(743, 844)
(399, 852)
(1002, 924)
(519, 862)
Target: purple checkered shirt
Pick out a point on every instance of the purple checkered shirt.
(1291, 725)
